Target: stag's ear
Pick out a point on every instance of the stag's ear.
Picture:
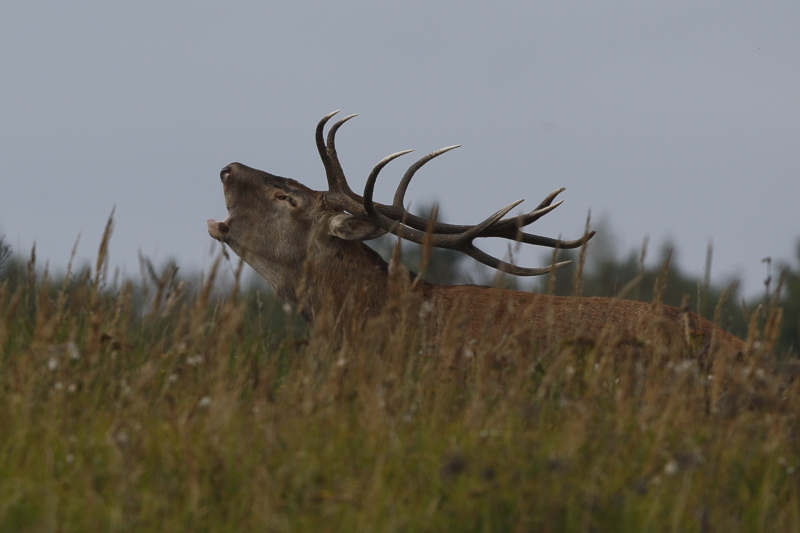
(352, 228)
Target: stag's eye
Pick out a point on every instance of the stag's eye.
(284, 198)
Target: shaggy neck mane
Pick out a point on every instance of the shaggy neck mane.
(349, 278)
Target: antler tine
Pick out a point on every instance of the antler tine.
(544, 207)
(321, 148)
(523, 220)
(510, 268)
(369, 188)
(476, 230)
(332, 132)
(549, 198)
(330, 168)
(403, 186)
(529, 238)
(333, 157)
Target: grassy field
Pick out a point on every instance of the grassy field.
(176, 408)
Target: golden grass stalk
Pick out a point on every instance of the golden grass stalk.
(195, 414)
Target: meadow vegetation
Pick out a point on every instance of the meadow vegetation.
(171, 405)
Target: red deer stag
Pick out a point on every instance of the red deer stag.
(308, 246)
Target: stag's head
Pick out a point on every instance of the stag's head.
(274, 223)
(269, 217)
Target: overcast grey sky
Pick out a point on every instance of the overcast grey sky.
(674, 119)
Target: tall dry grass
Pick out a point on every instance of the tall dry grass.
(191, 414)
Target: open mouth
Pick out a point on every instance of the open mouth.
(218, 230)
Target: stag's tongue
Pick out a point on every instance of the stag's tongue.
(216, 229)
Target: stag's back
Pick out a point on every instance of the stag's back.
(485, 313)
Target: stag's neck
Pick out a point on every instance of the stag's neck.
(348, 278)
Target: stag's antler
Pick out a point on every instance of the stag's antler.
(395, 219)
